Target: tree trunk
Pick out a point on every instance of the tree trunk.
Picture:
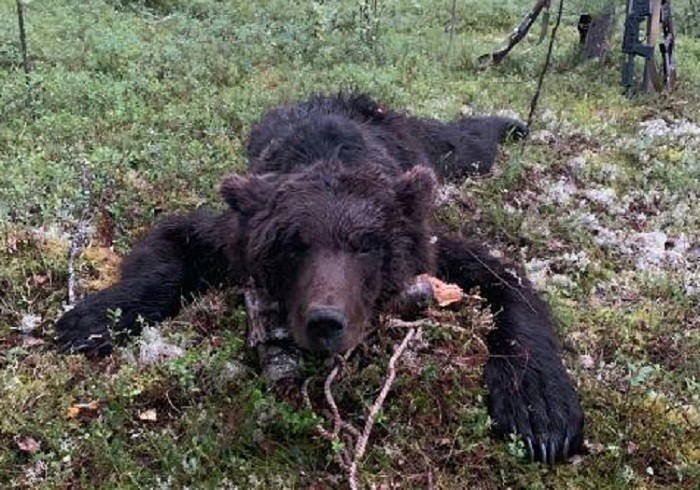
(596, 40)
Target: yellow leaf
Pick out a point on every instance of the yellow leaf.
(77, 408)
(445, 294)
(72, 412)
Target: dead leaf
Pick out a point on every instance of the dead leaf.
(149, 415)
(28, 445)
(593, 447)
(445, 294)
(32, 342)
(106, 262)
(38, 280)
(81, 408)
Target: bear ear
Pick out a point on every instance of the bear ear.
(245, 194)
(415, 191)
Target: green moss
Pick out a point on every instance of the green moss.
(158, 96)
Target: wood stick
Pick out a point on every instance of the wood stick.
(518, 33)
(23, 39)
(361, 444)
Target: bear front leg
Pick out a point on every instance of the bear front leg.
(181, 256)
(530, 392)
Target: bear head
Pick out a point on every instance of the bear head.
(333, 244)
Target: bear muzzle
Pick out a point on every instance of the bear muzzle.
(326, 326)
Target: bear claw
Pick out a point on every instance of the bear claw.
(549, 419)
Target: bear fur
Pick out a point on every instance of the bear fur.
(333, 221)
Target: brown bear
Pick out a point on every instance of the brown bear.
(332, 222)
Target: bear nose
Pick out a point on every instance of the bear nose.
(326, 322)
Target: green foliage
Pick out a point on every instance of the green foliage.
(687, 17)
(639, 376)
(153, 99)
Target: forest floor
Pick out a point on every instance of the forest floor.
(134, 110)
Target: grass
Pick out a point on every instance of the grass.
(155, 99)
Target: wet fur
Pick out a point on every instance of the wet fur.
(354, 180)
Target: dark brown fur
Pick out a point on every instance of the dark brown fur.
(333, 222)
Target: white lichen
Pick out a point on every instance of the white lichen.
(154, 350)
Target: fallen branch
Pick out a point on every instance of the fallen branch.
(264, 326)
(517, 34)
(424, 322)
(361, 445)
(344, 434)
(76, 247)
(279, 357)
(453, 22)
(79, 237)
(337, 420)
(351, 443)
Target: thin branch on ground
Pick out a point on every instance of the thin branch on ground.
(352, 442)
(517, 35)
(337, 420)
(76, 246)
(361, 445)
(79, 237)
(423, 322)
(349, 443)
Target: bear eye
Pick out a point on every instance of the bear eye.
(367, 245)
(296, 249)
(292, 246)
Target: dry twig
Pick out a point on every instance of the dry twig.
(354, 442)
(517, 34)
(453, 22)
(361, 445)
(78, 241)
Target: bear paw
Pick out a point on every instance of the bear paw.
(539, 403)
(84, 329)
